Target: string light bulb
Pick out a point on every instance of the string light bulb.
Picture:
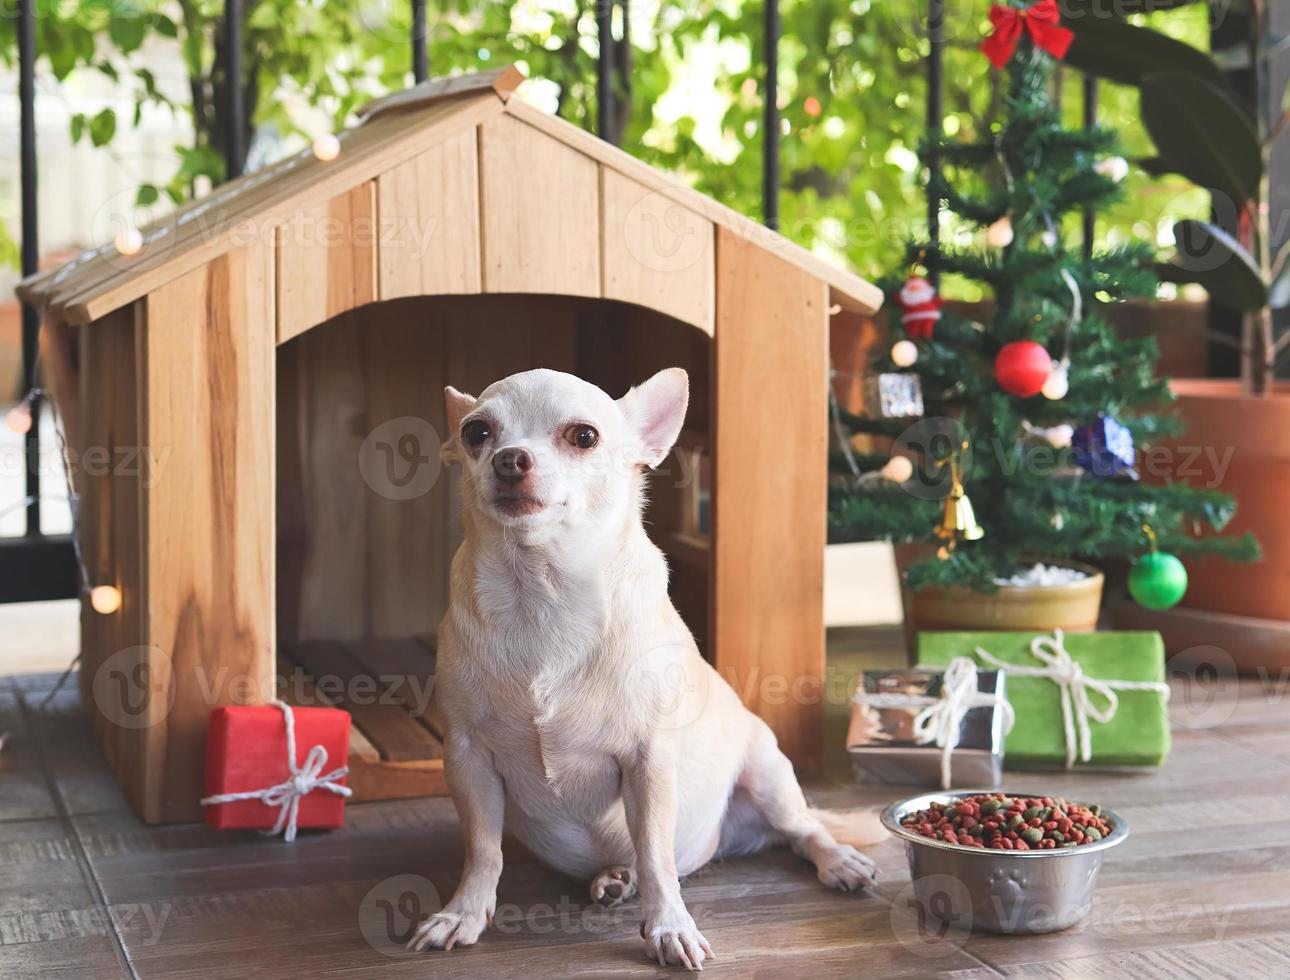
(1058, 383)
(18, 418)
(327, 147)
(1113, 168)
(898, 469)
(1059, 436)
(106, 599)
(904, 353)
(129, 240)
(999, 234)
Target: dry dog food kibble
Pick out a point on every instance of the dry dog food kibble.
(1010, 823)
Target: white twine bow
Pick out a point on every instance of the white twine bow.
(304, 779)
(941, 718)
(1077, 690)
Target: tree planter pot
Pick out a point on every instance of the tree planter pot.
(1072, 607)
(1240, 444)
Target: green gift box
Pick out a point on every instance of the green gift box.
(1118, 677)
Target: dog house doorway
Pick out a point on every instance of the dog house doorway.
(368, 519)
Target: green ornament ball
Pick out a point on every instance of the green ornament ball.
(1157, 580)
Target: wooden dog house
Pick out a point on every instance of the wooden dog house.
(277, 351)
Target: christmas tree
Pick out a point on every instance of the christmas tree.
(1023, 448)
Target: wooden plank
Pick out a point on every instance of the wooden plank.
(405, 670)
(501, 81)
(539, 203)
(326, 260)
(1250, 643)
(292, 526)
(295, 685)
(107, 467)
(361, 492)
(429, 221)
(769, 466)
(405, 494)
(208, 521)
(370, 777)
(396, 734)
(323, 492)
(95, 386)
(846, 289)
(853, 340)
(657, 253)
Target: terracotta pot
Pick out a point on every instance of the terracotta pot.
(1240, 444)
(1073, 607)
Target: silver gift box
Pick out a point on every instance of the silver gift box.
(881, 739)
(894, 395)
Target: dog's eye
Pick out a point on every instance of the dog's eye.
(581, 436)
(475, 434)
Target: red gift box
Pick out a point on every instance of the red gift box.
(246, 752)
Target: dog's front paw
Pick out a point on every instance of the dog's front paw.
(613, 886)
(676, 940)
(447, 929)
(847, 869)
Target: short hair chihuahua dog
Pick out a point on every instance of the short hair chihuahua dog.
(577, 709)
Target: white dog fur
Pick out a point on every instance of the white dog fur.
(577, 709)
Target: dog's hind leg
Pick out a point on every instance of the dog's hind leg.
(771, 786)
(613, 886)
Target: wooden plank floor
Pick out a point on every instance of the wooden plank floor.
(88, 891)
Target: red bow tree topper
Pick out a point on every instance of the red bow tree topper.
(1040, 20)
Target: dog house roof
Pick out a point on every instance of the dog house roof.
(392, 130)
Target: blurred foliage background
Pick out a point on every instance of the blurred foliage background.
(689, 78)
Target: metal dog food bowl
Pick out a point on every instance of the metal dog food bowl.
(996, 890)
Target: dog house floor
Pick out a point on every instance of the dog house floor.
(395, 742)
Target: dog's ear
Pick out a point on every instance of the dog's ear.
(455, 407)
(656, 410)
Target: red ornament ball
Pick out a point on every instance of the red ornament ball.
(1022, 367)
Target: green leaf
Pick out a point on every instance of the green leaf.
(1201, 133)
(1123, 53)
(147, 195)
(196, 161)
(78, 126)
(127, 31)
(265, 15)
(1208, 255)
(103, 127)
(164, 26)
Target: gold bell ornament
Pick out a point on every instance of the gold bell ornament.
(959, 520)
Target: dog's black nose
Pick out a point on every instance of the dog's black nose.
(511, 465)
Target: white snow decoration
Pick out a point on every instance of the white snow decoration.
(1040, 574)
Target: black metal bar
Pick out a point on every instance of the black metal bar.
(1090, 120)
(770, 125)
(30, 246)
(234, 151)
(420, 55)
(38, 569)
(935, 118)
(605, 71)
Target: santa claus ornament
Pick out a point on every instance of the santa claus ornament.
(920, 308)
